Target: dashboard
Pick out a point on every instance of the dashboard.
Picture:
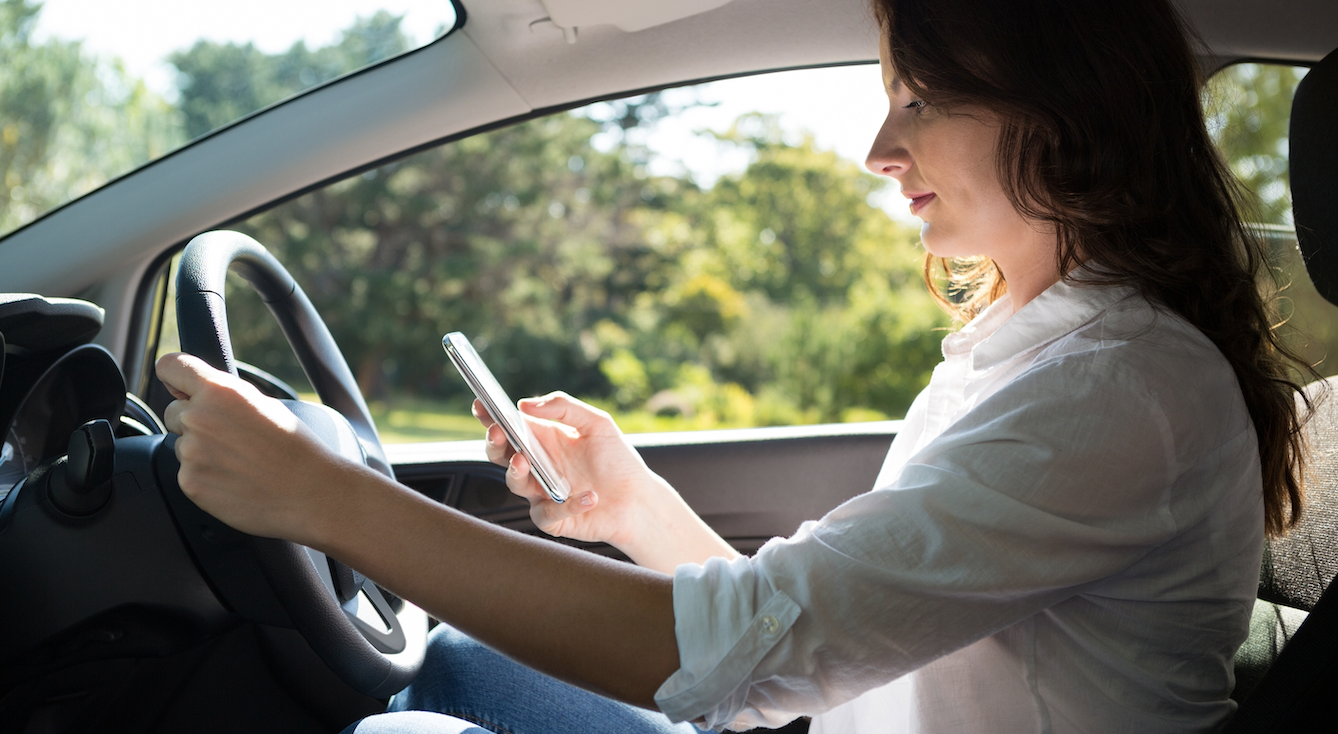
(52, 381)
(116, 575)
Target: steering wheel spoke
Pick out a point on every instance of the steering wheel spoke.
(367, 608)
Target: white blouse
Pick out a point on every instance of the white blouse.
(1065, 537)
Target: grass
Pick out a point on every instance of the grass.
(405, 420)
(412, 420)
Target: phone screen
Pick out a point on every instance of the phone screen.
(504, 413)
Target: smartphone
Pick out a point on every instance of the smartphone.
(504, 413)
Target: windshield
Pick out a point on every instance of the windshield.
(90, 91)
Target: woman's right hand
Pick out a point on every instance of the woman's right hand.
(589, 451)
(615, 498)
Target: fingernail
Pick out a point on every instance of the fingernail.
(588, 499)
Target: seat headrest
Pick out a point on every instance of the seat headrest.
(1313, 161)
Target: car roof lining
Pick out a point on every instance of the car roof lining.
(546, 71)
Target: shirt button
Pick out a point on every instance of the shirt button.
(769, 625)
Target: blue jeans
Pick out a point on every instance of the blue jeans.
(481, 691)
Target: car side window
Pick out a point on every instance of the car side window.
(577, 258)
(1249, 111)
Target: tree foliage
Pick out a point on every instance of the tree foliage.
(573, 269)
(68, 122)
(221, 82)
(1249, 111)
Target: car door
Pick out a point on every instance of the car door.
(750, 485)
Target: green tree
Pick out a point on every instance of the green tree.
(68, 122)
(520, 237)
(1248, 108)
(791, 298)
(221, 82)
(573, 269)
(789, 225)
(841, 319)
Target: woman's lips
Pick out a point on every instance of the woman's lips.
(920, 201)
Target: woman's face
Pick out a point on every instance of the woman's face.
(945, 164)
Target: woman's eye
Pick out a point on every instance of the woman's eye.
(917, 105)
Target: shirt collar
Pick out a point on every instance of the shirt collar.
(999, 333)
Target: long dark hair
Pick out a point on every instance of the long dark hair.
(1103, 137)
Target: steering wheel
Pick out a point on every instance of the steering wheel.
(347, 619)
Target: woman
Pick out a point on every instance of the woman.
(1065, 536)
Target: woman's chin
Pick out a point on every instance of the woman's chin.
(941, 242)
(937, 243)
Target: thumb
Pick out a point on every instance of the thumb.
(563, 408)
(547, 515)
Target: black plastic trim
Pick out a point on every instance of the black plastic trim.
(146, 322)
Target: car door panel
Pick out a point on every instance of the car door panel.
(748, 485)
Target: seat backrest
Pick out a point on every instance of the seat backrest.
(1298, 570)
(1298, 567)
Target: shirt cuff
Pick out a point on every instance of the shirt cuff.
(727, 617)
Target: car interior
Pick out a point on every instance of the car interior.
(130, 609)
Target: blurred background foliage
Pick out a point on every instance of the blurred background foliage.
(71, 121)
(1248, 109)
(778, 295)
(68, 122)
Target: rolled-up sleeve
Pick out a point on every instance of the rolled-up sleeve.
(744, 617)
(1061, 479)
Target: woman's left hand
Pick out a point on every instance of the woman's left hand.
(245, 458)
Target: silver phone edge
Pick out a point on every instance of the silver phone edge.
(539, 472)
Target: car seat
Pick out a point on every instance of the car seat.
(1287, 671)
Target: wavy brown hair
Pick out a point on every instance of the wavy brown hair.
(1103, 137)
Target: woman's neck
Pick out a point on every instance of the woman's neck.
(1030, 266)
(1029, 281)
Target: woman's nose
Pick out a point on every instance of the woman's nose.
(888, 155)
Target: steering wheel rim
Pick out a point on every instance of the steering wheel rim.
(362, 656)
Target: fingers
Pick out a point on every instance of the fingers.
(550, 517)
(208, 399)
(184, 374)
(521, 482)
(498, 448)
(518, 469)
(172, 416)
(563, 408)
(555, 519)
(494, 438)
(481, 413)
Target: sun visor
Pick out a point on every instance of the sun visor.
(626, 15)
(35, 324)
